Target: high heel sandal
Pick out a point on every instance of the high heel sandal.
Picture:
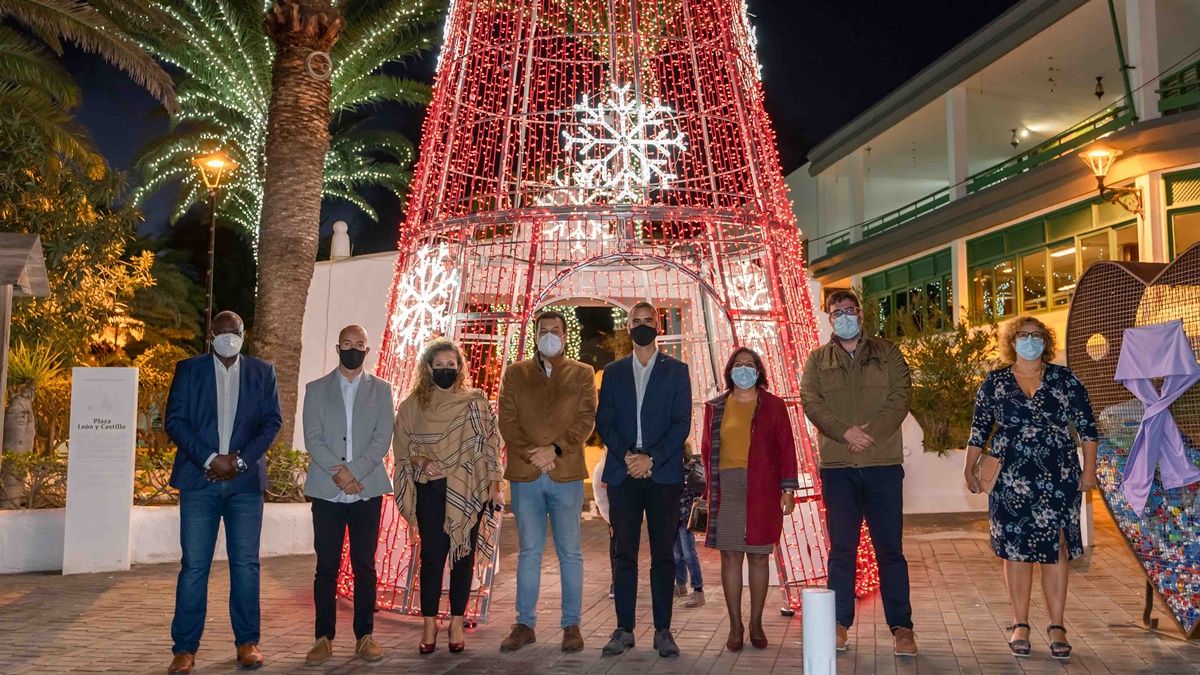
(1019, 648)
(1058, 649)
(737, 646)
(428, 648)
(758, 642)
(456, 647)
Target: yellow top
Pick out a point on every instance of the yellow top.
(735, 433)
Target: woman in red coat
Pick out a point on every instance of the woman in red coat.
(750, 461)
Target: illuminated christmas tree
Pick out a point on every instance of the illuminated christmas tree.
(593, 152)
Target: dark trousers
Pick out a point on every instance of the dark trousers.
(200, 515)
(435, 548)
(331, 522)
(877, 494)
(629, 502)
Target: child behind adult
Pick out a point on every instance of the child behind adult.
(687, 561)
(600, 495)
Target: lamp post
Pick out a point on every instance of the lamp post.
(213, 168)
(1100, 158)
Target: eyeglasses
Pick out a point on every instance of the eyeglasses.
(1031, 334)
(849, 311)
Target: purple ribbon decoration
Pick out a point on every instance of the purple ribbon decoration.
(1160, 350)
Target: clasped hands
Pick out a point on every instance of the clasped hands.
(638, 465)
(543, 457)
(222, 467)
(858, 439)
(345, 480)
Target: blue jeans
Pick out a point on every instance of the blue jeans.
(200, 514)
(687, 561)
(876, 494)
(532, 502)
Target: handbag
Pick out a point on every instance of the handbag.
(698, 517)
(987, 470)
(693, 476)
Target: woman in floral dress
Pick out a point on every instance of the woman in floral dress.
(1027, 410)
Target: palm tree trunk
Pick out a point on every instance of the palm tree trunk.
(297, 140)
(19, 432)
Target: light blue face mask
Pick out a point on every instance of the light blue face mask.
(744, 377)
(1030, 348)
(846, 327)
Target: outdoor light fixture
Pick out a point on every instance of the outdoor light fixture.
(1100, 159)
(1099, 87)
(1015, 140)
(213, 167)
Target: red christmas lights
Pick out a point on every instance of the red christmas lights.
(602, 152)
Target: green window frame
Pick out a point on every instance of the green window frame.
(921, 290)
(1174, 216)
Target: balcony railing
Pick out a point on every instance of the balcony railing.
(1109, 120)
(1180, 91)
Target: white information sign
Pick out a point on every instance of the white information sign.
(100, 465)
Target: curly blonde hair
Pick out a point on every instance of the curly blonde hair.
(1008, 339)
(423, 382)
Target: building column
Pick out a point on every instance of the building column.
(960, 279)
(856, 170)
(1152, 225)
(957, 160)
(1141, 21)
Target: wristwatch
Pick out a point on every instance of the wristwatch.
(241, 465)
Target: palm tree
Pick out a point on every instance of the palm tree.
(38, 90)
(227, 58)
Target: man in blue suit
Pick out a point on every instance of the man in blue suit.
(222, 415)
(644, 416)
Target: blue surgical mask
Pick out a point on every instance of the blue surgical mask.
(1030, 348)
(846, 327)
(744, 377)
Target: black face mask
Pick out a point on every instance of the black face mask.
(352, 359)
(445, 377)
(643, 335)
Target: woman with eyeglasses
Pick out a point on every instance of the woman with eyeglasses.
(1026, 410)
(749, 456)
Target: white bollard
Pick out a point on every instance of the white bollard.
(817, 613)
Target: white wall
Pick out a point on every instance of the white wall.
(32, 541)
(351, 290)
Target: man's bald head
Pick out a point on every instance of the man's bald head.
(227, 322)
(353, 336)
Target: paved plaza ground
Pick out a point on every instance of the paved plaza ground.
(120, 622)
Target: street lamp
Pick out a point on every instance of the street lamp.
(213, 167)
(1100, 158)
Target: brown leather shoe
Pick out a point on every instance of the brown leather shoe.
(572, 639)
(520, 636)
(843, 638)
(320, 652)
(368, 649)
(905, 642)
(182, 663)
(249, 657)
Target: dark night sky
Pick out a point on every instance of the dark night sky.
(824, 62)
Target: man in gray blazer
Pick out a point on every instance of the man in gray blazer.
(348, 417)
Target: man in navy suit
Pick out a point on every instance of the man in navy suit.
(222, 415)
(644, 416)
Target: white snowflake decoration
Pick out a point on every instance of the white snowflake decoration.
(752, 37)
(623, 146)
(748, 292)
(577, 231)
(424, 296)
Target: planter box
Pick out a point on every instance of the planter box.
(933, 483)
(32, 541)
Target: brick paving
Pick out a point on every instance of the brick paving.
(120, 622)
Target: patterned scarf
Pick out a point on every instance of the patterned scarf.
(459, 431)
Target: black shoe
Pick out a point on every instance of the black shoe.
(621, 642)
(1019, 648)
(664, 642)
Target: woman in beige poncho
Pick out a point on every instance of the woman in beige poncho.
(447, 473)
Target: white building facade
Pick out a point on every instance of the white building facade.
(963, 191)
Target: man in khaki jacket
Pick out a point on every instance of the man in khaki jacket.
(547, 412)
(856, 390)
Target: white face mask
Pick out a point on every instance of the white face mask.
(227, 345)
(550, 345)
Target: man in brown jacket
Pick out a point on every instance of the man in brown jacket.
(547, 412)
(855, 390)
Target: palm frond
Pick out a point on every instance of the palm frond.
(36, 111)
(22, 61)
(83, 25)
(374, 89)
